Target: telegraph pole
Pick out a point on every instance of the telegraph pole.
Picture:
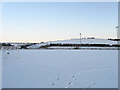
(80, 38)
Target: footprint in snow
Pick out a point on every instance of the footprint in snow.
(57, 78)
(94, 83)
(52, 84)
(67, 86)
(91, 84)
(68, 83)
(73, 76)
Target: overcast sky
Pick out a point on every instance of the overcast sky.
(46, 21)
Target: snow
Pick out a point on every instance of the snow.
(75, 41)
(85, 48)
(37, 45)
(60, 69)
(85, 41)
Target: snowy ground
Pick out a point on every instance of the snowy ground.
(85, 41)
(60, 69)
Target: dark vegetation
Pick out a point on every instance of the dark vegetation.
(85, 45)
(71, 45)
(113, 39)
(5, 44)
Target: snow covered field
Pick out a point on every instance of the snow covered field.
(60, 69)
(85, 41)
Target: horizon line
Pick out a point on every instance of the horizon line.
(51, 40)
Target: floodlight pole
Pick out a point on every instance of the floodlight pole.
(117, 27)
(118, 42)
